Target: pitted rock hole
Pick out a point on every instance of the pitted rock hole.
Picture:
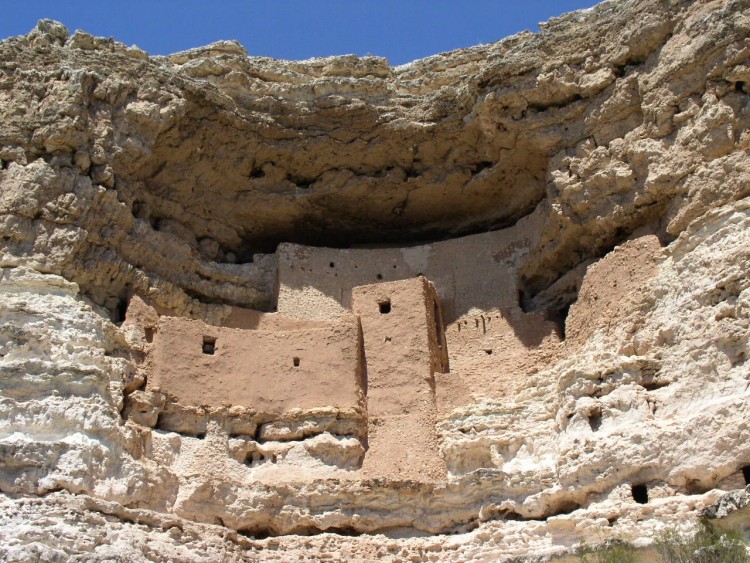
(595, 419)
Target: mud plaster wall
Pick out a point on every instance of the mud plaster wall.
(476, 281)
(473, 272)
(612, 287)
(492, 353)
(400, 343)
(270, 371)
(403, 351)
(250, 319)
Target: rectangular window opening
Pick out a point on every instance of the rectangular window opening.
(385, 307)
(209, 345)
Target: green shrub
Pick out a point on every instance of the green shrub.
(706, 545)
(616, 551)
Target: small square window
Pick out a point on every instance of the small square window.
(295, 361)
(209, 345)
(385, 307)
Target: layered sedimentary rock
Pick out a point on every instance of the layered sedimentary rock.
(490, 304)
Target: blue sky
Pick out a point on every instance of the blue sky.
(400, 30)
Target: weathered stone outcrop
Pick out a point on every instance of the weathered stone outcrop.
(579, 370)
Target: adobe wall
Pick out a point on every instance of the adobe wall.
(477, 271)
(404, 348)
(271, 371)
(612, 287)
(144, 313)
(491, 343)
(249, 319)
(492, 352)
(401, 344)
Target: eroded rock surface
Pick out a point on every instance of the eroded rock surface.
(511, 281)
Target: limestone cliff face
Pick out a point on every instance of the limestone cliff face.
(607, 156)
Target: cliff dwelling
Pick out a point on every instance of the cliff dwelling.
(373, 364)
(491, 305)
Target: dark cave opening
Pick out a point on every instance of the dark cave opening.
(120, 310)
(595, 420)
(640, 493)
(559, 316)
